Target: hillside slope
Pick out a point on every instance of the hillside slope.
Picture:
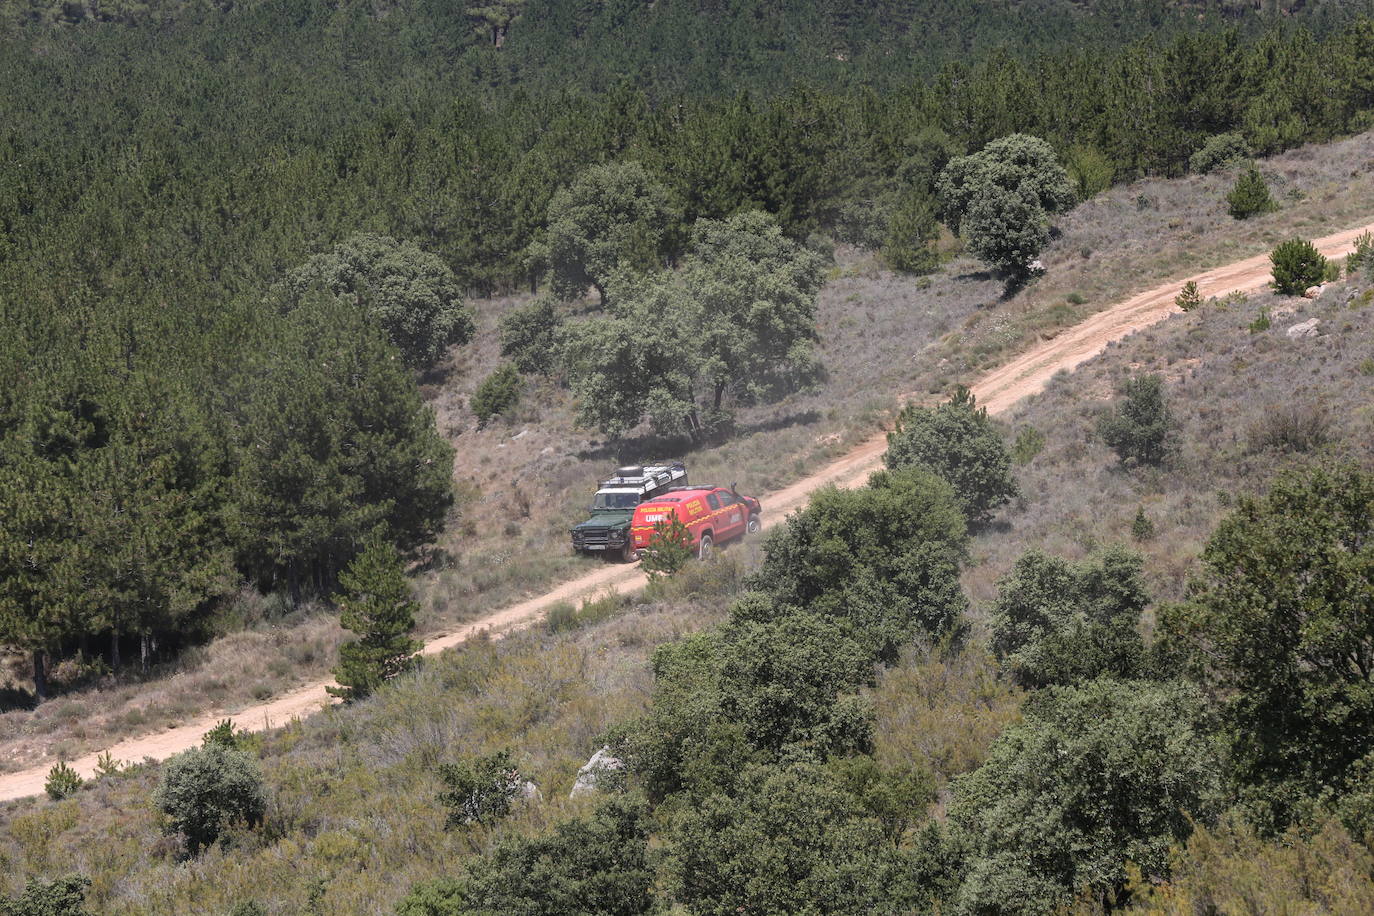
(1023, 376)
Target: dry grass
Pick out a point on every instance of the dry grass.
(353, 798)
(1132, 236)
(235, 670)
(1247, 404)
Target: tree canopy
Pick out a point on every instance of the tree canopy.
(611, 217)
(1001, 199)
(1283, 625)
(1056, 622)
(958, 442)
(1096, 776)
(735, 325)
(411, 294)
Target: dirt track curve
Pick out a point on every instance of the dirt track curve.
(1025, 375)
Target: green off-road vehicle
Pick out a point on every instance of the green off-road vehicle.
(607, 532)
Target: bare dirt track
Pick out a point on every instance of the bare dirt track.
(1023, 376)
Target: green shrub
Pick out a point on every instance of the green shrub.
(479, 790)
(1261, 323)
(1189, 298)
(957, 441)
(599, 864)
(560, 618)
(1091, 171)
(669, 549)
(1279, 625)
(1142, 528)
(774, 683)
(1362, 258)
(206, 790)
(60, 897)
(885, 557)
(528, 337)
(1297, 265)
(791, 841)
(1029, 443)
(1250, 196)
(1095, 777)
(62, 782)
(1059, 623)
(498, 393)
(1219, 151)
(794, 680)
(1140, 424)
(911, 230)
(863, 223)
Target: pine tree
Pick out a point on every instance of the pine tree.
(1189, 298)
(1250, 196)
(376, 604)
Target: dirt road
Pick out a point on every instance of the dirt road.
(1023, 376)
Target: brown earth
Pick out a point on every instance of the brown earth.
(1024, 375)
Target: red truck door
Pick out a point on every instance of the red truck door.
(731, 514)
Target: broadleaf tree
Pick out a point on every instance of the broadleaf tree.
(957, 441)
(410, 293)
(1001, 198)
(735, 326)
(613, 216)
(1282, 626)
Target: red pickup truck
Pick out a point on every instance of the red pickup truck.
(713, 515)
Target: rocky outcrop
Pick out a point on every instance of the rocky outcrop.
(1303, 329)
(603, 768)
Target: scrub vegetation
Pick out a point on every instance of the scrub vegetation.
(319, 320)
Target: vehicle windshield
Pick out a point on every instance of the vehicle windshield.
(613, 500)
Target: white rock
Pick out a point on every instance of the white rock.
(1303, 329)
(1313, 292)
(591, 772)
(530, 792)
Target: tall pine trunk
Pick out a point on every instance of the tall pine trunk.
(145, 650)
(40, 675)
(114, 649)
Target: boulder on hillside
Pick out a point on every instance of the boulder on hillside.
(1303, 329)
(598, 773)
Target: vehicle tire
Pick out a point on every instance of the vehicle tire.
(628, 554)
(704, 547)
(753, 526)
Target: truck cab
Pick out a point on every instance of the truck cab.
(607, 531)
